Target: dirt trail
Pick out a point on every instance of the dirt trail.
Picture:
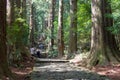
(62, 71)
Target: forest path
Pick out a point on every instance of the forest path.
(62, 70)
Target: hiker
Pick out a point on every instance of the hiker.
(32, 51)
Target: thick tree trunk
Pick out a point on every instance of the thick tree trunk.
(10, 12)
(73, 27)
(60, 30)
(103, 46)
(117, 37)
(10, 21)
(32, 27)
(51, 22)
(4, 68)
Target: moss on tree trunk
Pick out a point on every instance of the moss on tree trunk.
(104, 49)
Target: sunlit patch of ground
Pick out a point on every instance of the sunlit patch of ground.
(62, 71)
(112, 71)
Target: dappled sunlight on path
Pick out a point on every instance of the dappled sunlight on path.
(62, 71)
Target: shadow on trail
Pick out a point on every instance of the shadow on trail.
(67, 75)
(59, 71)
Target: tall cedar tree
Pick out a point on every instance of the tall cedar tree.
(4, 68)
(103, 46)
(60, 30)
(32, 26)
(51, 22)
(73, 27)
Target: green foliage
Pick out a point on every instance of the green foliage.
(84, 21)
(40, 16)
(53, 53)
(19, 30)
(47, 33)
(83, 17)
(115, 29)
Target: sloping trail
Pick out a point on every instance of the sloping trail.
(61, 70)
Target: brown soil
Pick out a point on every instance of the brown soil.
(112, 71)
(21, 73)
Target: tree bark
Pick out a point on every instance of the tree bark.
(103, 46)
(32, 27)
(73, 27)
(51, 22)
(10, 13)
(4, 68)
(60, 30)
